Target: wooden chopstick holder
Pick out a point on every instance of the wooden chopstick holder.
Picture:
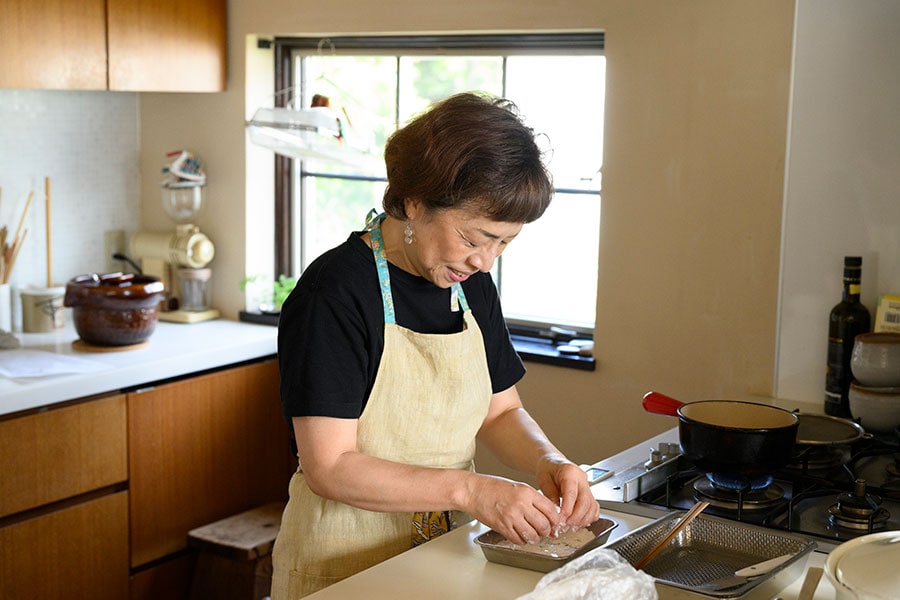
(682, 523)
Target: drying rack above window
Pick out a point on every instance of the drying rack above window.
(318, 133)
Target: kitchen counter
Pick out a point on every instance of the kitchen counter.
(174, 350)
(452, 566)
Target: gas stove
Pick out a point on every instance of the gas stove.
(831, 494)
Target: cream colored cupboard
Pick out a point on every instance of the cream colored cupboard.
(119, 45)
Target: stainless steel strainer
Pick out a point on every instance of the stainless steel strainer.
(711, 549)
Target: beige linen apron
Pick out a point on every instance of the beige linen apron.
(430, 397)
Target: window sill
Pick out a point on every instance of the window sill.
(260, 318)
(540, 350)
(530, 348)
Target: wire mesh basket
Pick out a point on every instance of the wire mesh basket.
(710, 550)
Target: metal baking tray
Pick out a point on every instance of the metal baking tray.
(711, 549)
(491, 541)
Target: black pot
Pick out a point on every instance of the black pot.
(729, 437)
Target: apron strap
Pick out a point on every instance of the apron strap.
(373, 225)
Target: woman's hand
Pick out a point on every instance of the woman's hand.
(517, 440)
(566, 484)
(515, 510)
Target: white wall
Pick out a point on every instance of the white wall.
(87, 143)
(842, 194)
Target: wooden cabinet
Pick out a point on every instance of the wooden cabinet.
(167, 45)
(53, 44)
(202, 449)
(63, 504)
(121, 45)
(79, 552)
(63, 452)
(97, 496)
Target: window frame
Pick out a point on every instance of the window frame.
(541, 338)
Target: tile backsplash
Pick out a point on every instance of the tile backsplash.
(88, 144)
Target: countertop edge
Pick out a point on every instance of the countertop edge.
(174, 350)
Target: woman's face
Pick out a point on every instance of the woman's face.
(451, 245)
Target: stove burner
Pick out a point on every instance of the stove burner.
(738, 483)
(734, 499)
(893, 469)
(817, 459)
(858, 509)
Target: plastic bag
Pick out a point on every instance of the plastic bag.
(600, 574)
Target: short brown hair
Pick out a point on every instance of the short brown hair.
(469, 151)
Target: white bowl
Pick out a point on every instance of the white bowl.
(877, 408)
(865, 568)
(875, 360)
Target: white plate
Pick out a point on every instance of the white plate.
(867, 568)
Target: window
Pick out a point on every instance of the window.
(549, 275)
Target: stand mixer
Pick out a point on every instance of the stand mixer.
(179, 258)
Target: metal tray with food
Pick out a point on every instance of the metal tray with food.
(548, 554)
(718, 558)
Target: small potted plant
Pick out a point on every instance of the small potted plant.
(264, 296)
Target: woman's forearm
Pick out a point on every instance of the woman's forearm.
(381, 485)
(515, 438)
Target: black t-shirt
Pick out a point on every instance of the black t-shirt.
(331, 330)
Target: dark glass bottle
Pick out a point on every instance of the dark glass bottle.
(847, 320)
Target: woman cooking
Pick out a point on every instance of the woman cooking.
(395, 358)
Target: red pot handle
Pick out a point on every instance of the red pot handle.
(660, 404)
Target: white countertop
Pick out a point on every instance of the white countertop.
(453, 566)
(174, 349)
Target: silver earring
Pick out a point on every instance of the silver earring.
(408, 233)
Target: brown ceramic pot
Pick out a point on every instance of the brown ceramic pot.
(115, 309)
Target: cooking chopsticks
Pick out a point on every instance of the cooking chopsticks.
(47, 222)
(682, 523)
(11, 251)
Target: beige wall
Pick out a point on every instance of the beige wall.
(696, 121)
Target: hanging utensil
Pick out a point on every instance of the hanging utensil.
(667, 539)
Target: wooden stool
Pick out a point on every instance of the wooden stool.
(235, 559)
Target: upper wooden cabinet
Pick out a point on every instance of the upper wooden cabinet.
(119, 45)
(53, 44)
(167, 45)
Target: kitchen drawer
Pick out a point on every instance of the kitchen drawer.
(63, 452)
(78, 552)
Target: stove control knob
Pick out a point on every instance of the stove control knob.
(668, 449)
(655, 459)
